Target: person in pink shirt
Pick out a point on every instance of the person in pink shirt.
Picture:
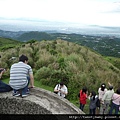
(115, 102)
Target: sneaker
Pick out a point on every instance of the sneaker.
(24, 95)
(16, 94)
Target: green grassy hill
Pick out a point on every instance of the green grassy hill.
(35, 35)
(105, 45)
(115, 61)
(59, 60)
(6, 43)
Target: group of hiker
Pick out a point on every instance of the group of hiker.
(107, 101)
(21, 76)
(104, 101)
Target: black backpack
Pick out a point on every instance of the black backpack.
(98, 103)
(79, 95)
(57, 89)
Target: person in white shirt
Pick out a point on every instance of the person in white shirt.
(101, 92)
(61, 90)
(107, 99)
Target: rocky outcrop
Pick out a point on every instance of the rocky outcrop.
(39, 101)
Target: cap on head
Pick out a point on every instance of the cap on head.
(103, 85)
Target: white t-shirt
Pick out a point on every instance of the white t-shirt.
(63, 89)
(101, 93)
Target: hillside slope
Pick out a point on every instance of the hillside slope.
(106, 45)
(35, 35)
(59, 60)
(6, 43)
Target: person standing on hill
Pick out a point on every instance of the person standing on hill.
(83, 97)
(93, 100)
(61, 90)
(107, 98)
(3, 86)
(115, 104)
(101, 92)
(21, 75)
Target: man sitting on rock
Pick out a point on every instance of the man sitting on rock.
(21, 75)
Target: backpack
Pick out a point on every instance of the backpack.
(57, 89)
(79, 95)
(98, 103)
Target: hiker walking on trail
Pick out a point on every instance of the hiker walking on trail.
(21, 75)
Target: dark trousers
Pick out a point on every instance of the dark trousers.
(92, 111)
(82, 106)
(114, 107)
(4, 87)
(23, 90)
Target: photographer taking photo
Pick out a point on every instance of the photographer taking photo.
(61, 90)
(3, 86)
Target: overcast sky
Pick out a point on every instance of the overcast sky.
(95, 12)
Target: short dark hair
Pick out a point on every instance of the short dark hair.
(118, 91)
(61, 83)
(23, 58)
(110, 87)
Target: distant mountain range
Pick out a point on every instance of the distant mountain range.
(105, 40)
(56, 27)
(105, 45)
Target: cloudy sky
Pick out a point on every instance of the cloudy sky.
(90, 12)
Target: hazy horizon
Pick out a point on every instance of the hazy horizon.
(79, 12)
(60, 27)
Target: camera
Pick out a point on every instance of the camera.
(2, 70)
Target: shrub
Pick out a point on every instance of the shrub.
(43, 73)
(45, 81)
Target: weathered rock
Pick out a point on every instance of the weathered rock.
(39, 101)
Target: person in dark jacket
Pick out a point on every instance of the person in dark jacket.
(93, 100)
